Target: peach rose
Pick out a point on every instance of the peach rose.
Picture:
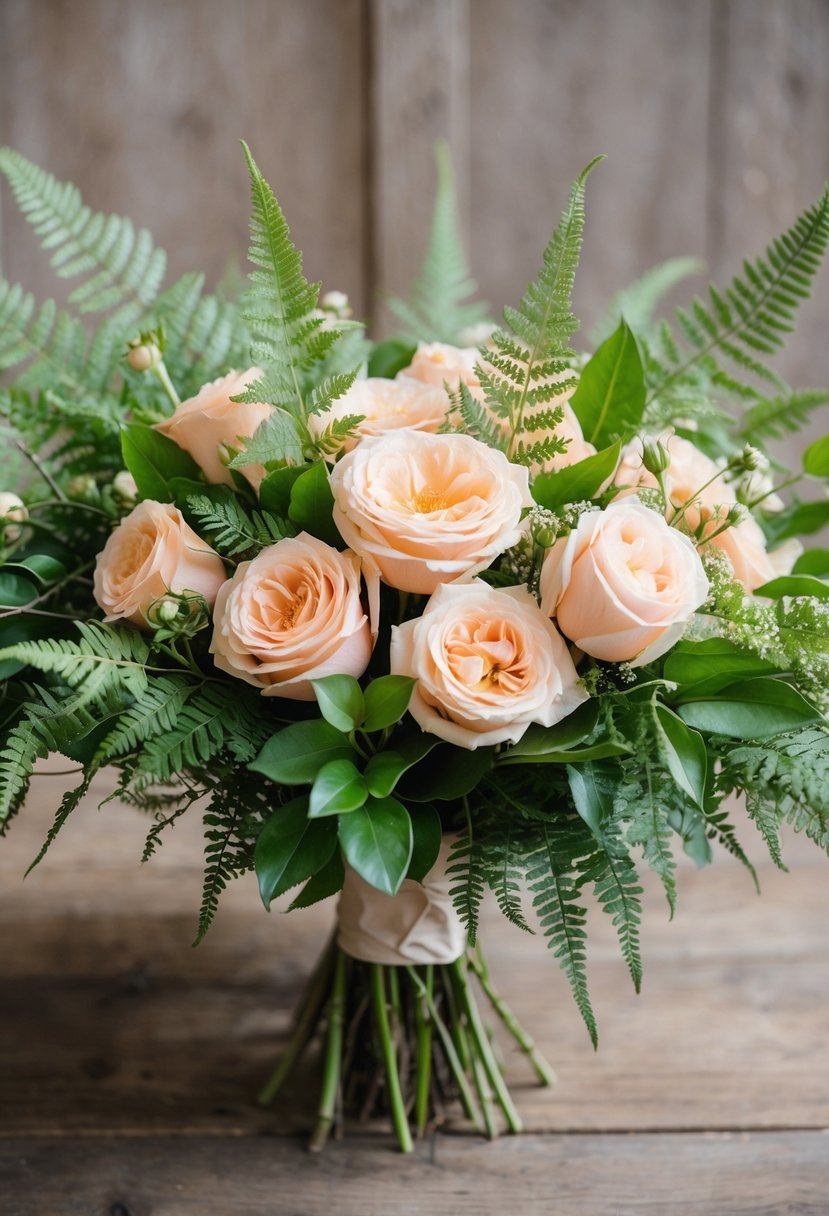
(487, 664)
(685, 478)
(292, 615)
(436, 362)
(385, 405)
(424, 509)
(151, 552)
(210, 420)
(623, 584)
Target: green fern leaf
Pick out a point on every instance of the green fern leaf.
(636, 302)
(439, 308)
(467, 872)
(775, 417)
(616, 886)
(231, 529)
(106, 657)
(120, 268)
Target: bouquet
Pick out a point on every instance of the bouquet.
(410, 620)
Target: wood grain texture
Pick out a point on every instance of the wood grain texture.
(556, 83)
(110, 1021)
(143, 106)
(420, 92)
(766, 1174)
(769, 154)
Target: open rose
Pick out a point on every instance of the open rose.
(385, 405)
(292, 615)
(151, 552)
(424, 509)
(210, 421)
(623, 584)
(487, 664)
(691, 475)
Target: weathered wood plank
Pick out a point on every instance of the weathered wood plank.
(653, 1175)
(769, 155)
(143, 106)
(557, 82)
(110, 1021)
(419, 94)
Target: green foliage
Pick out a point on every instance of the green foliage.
(231, 529)
(576, 482)
(526, 364)
(728, 337)
(52, 347)
(377, 842)
(154, 461)
(295, 755)
(290, 335)
(292, 848)
(120, 268)
(610, 396)
(439, 308)
(203, 731)
(104, 659)
(636, 302)
(785, 414)
(467, 872)
(232, 821)
(205, 334)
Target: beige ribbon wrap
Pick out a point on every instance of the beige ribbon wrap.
(418, 925)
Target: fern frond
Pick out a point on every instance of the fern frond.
(645, 815)
(637, 302)
(202, 730)
(504, 873)
(555, 894)
(467, 872)
(231, 529)
(120, 268)
(231, 822)
(775, 417)
(105, 657)
(439, 308)
(523, 365)
(205, 334)
(616, 886)
(154, 712)
(290, 335)
(748, 319)
(477, 421)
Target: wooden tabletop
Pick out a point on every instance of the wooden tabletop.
(128, 1060)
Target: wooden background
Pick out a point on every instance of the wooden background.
(714, 115)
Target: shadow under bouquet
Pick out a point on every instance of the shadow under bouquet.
(458, 611)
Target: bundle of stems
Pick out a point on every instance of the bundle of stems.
(406, 1042)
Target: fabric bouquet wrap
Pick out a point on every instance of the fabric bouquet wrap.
(467, 609)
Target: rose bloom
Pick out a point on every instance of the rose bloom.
(744, 543)
(210, 421)
(424, 509)
(623, 584)
(487, 664)
(153, 551)
(386, 405)
(437, 362)
(292, 615)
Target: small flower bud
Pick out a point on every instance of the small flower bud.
(656, 456)
(225, 453)
(83, 488)
(143, 355)
(166, 610)
(736, 514)
(125, 489)
(337, 302)
(754, 461)
(544, 537)
(12, 513)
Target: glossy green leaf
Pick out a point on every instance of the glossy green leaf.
(45, 568)
(154, 460)
(322, 885)
(800, 519)
(387, 700)
(339, 787)
(427, 834)
(291, 847)
(610, 397)
(813, 561)
(385, 769)
(752, 709)
(295, 755)
(377, 842)
(340, 699)
(390, 357)
(312, 503)
(816, 457)
(794, 585)
(685, 753)
(16, 589)
(446, 774)
(575, 728)
(576, 482)
(275, 489)
(592, 795)
(571, 755)
(703, 668)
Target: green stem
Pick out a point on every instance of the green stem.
(398, 1109)
(545, 1073)
(333, 1053)
(308, 1013)
(485, 1097)
(481, 1043)
(41, 469)
(424, 1052)
(459, 1072)
(163, 376)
